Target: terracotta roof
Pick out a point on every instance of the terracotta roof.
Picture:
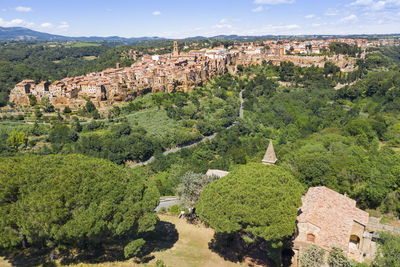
(333, 213)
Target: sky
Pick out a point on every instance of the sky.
(185, 18)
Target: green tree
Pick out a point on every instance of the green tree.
(47, 106)
(3, 99)
(32, 100)
(313, 256)
(76, 125)
(337, 258)
(95, 114)
(74, 202)
(261, 201)
(67, 110)
(191, 186)
(388, 254)
(38, 113)
(16, 139)
(90, 107)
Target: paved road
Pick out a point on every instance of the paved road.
(166, 202)
(375, 225)
(176, 149)
(361, 114)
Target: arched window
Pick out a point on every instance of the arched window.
(311, 238)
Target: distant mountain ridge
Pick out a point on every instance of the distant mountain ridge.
(25, 34)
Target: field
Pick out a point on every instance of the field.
(85, 44)
(190, 248)
(9, 126)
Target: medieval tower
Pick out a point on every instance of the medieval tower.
(176, 49)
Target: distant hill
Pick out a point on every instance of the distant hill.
(25, 34)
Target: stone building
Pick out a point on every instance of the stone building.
(329, 219)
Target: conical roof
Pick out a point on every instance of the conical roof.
(270, 157)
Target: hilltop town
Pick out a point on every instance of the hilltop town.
(183, 71)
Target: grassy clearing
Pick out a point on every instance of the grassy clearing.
(89, 58)
(85, 44)
(9, 126)
(156, 122)
(192, 247)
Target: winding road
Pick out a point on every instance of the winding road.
(210, 137)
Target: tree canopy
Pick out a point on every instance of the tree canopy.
(388, 252)
(73, 201)
(260, 201)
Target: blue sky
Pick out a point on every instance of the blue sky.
(183, 18)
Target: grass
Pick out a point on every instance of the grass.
(9, 126)
(154, 121)
(191, 249)
(89, 58)
(85, 44)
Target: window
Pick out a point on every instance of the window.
(311, 238)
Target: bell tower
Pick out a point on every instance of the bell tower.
(176, 49)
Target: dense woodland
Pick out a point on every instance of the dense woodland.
(347, 140)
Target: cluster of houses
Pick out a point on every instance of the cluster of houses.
(175, 72)
(153, 73)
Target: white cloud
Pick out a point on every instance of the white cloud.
(332, 12)
(349, 18)
(63, 26)
(46, 25)
(258, 9)
(156, 13)
(273, 2)
(16, 23)
(378, 5)
(315, 25)
(361, 3)
(23, 9)
(223, 26)
(311, 16)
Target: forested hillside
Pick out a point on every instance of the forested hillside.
(346, 139)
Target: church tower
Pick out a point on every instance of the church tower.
(270, 157)
(176, 49)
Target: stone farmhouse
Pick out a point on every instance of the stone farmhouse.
(329, 219)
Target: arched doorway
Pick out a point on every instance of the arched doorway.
(354, 244)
